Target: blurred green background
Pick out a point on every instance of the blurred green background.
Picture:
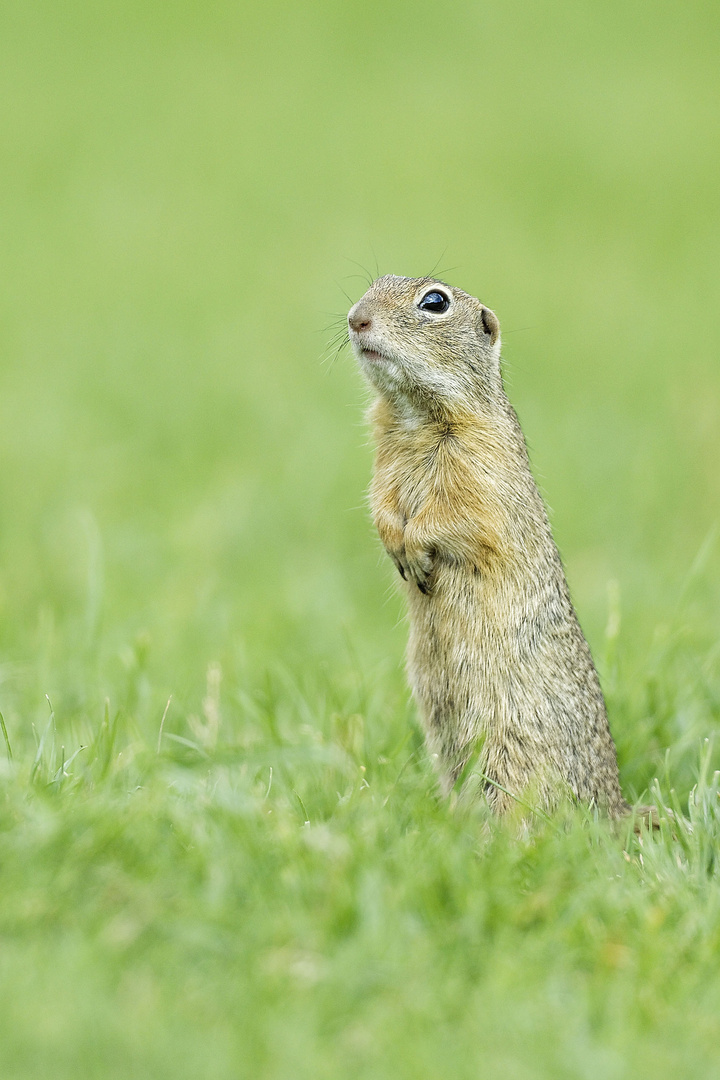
(188, 190)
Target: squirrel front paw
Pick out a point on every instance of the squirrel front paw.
(420, 570)
(417, 571)
(414, 562)
(418, 561)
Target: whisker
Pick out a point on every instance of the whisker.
(335, 346)
(366, 272)
(446, 270)
(356, 277)
(347, 297)
(339, 326)
(435, 267)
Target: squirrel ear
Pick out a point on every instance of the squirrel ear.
(490, 324)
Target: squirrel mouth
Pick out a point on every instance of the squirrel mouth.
(372, 355)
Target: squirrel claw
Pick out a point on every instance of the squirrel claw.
(421, 572)
(416, 573)
(415, 566)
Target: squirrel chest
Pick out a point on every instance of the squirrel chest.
(440, 481)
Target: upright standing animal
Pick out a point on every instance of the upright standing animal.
(496, 658)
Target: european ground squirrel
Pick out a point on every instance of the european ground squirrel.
(496, 658)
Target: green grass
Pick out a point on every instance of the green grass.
(258, 879)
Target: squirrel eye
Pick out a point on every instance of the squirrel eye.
(434, 301)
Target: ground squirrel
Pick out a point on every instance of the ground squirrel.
(496, 658)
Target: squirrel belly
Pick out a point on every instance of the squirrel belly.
(497, 661)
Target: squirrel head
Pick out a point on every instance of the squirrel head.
(426, 344)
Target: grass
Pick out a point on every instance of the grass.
(281, 893)
(221, 848)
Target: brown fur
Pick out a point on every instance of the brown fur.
(496, 657)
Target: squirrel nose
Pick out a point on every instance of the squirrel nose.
(359, 319)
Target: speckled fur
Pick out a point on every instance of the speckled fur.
(496, 658)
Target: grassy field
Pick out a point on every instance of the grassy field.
(221, 849)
